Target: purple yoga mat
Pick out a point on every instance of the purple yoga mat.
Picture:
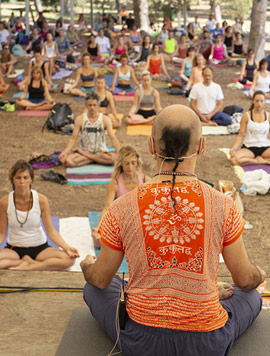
(252, 167)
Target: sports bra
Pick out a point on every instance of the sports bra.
(87, 78)
(121, 189)
(93, 51)
(120, 51)
(104, 103)
(122, 76)
(36, 93)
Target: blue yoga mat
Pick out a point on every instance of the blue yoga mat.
(55, 220)
(109, 79)
(93, 217)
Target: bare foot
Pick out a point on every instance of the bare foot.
(261, 160)
(29, 260)
(225, 291)
(21, 267)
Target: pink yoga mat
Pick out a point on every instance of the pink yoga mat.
(236, 80)
(123, 98)
(40, 113)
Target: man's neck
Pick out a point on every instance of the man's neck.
(207, 84)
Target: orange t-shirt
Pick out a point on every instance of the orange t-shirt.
(173, 255)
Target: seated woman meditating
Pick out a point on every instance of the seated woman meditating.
(155, 62)
(238, 46)
(182, 48)
(125, 74)
(125, 177)
(248, 68)
(39, 96)
(35, 41)
(87, 74)
(196, 71)
(186, 68)
(94, 50)
(118, 49)
(37, 60)
(73, 37)
(22, 211)
(146, 103)
(218, 52)
(6, 60)
(145, 50)
(106, 101)
(261, 80)
(252, 144)
(50, 52)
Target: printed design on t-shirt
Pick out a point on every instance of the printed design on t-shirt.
(174, 238)
(167, 225)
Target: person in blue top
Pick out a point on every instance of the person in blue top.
(63, 44)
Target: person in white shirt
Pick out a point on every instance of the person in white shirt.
(103, 42)
(252, 144)
(211, 23)
(206, 100)
(4, 35)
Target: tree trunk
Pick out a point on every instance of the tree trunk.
(212, 5)
(144, 15)
(136, 10)
(257, 28)
(117, 5)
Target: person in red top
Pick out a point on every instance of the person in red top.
(172, 231)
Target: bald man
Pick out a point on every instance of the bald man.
(172, 232)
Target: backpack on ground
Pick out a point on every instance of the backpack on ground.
(60, 116)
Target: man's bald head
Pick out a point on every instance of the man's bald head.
(176, 131)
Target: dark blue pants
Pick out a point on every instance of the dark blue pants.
(136, 340)
(222, 119)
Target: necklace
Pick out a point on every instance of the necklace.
(170, 173)
(28, 209)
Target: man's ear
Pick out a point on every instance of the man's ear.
(151, 145)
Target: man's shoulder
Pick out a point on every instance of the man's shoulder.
(215, 86)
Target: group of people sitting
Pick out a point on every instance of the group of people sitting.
(173, 302)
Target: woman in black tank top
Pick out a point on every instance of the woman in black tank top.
(107, 101)
(39, 96)
(94, 51)
(248, 68)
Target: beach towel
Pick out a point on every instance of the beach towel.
(214, 130)
(17, 72)
(93, 217)
(76, 232)
(62, 73)
(240, 170)
(134, 130)
(91, 174)
(30, 113)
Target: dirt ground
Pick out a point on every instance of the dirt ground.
(33, 323)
